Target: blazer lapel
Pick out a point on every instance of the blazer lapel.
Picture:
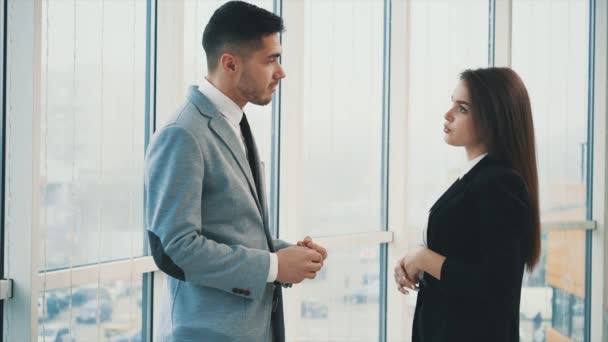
(460, 185)
(262, 193)
(263, 202)
(453, 190)
(222, 129)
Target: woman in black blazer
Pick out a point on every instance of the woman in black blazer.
(484, 230)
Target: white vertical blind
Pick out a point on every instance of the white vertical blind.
(445, 38)
(550, 50)
(92, 143)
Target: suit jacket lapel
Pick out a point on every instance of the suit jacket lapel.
(453, 190)
(262, 194)
(460, 185)
(222, 129)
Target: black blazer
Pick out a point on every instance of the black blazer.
(479, 224)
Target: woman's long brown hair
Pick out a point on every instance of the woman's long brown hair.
(503, 117)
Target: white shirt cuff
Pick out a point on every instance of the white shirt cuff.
(274, 268)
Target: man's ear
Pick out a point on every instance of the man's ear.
(229, 63)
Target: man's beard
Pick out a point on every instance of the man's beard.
(248, 89)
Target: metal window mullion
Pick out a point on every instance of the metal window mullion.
(359, 239)
(599, 103)
(590, 155)
(23, 29)
(500, 19)
(275, 154)
(568, 225)
(85, 274)
(3, 23)
(491, 31)
(111, 270)
(147, 306)
(151, 67)
(384, 183)
(400, 26)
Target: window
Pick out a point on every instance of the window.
(342, 303)
(352, 147)
(332, 164)
(441, 45)
(548, 36)
(333, 97)
(91, 165)
(109, 310)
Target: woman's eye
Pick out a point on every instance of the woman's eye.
(462, 109)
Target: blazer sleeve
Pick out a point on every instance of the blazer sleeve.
(502, 203)
(174, 172)
(280, 244)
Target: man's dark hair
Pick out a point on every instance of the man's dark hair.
(237, 27)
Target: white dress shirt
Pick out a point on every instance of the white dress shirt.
(471, 164)
(233, 115)
(229, 110)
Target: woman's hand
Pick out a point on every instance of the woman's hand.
(407, 270)
(417, 260)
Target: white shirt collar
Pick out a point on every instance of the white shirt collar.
(471, 164)
(222, 103)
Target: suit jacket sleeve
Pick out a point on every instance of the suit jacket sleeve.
(502, 206)
(280, 244)
(174, 174)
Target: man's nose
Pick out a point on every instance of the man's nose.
(280, 74)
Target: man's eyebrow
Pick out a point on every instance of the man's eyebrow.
(275, 55)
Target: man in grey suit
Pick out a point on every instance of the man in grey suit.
(205, 205)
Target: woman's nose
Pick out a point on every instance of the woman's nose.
(447, 116)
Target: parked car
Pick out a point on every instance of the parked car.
(313, 308)
(54, 333)
(88, 313)
(365, 294)
(89, 293)
(132, 336)
(51, 304)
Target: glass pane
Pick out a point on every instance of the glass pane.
(92, 136)
(437, 40)
(110, 312)
(332, 108)
(442, 45)
(182, 63)
(549, 36)
(342, 303)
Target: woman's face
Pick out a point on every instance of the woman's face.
(459, 127)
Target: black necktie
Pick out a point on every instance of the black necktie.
(276, 319)
(246, 132)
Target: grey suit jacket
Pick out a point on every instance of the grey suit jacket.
(208, 230)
